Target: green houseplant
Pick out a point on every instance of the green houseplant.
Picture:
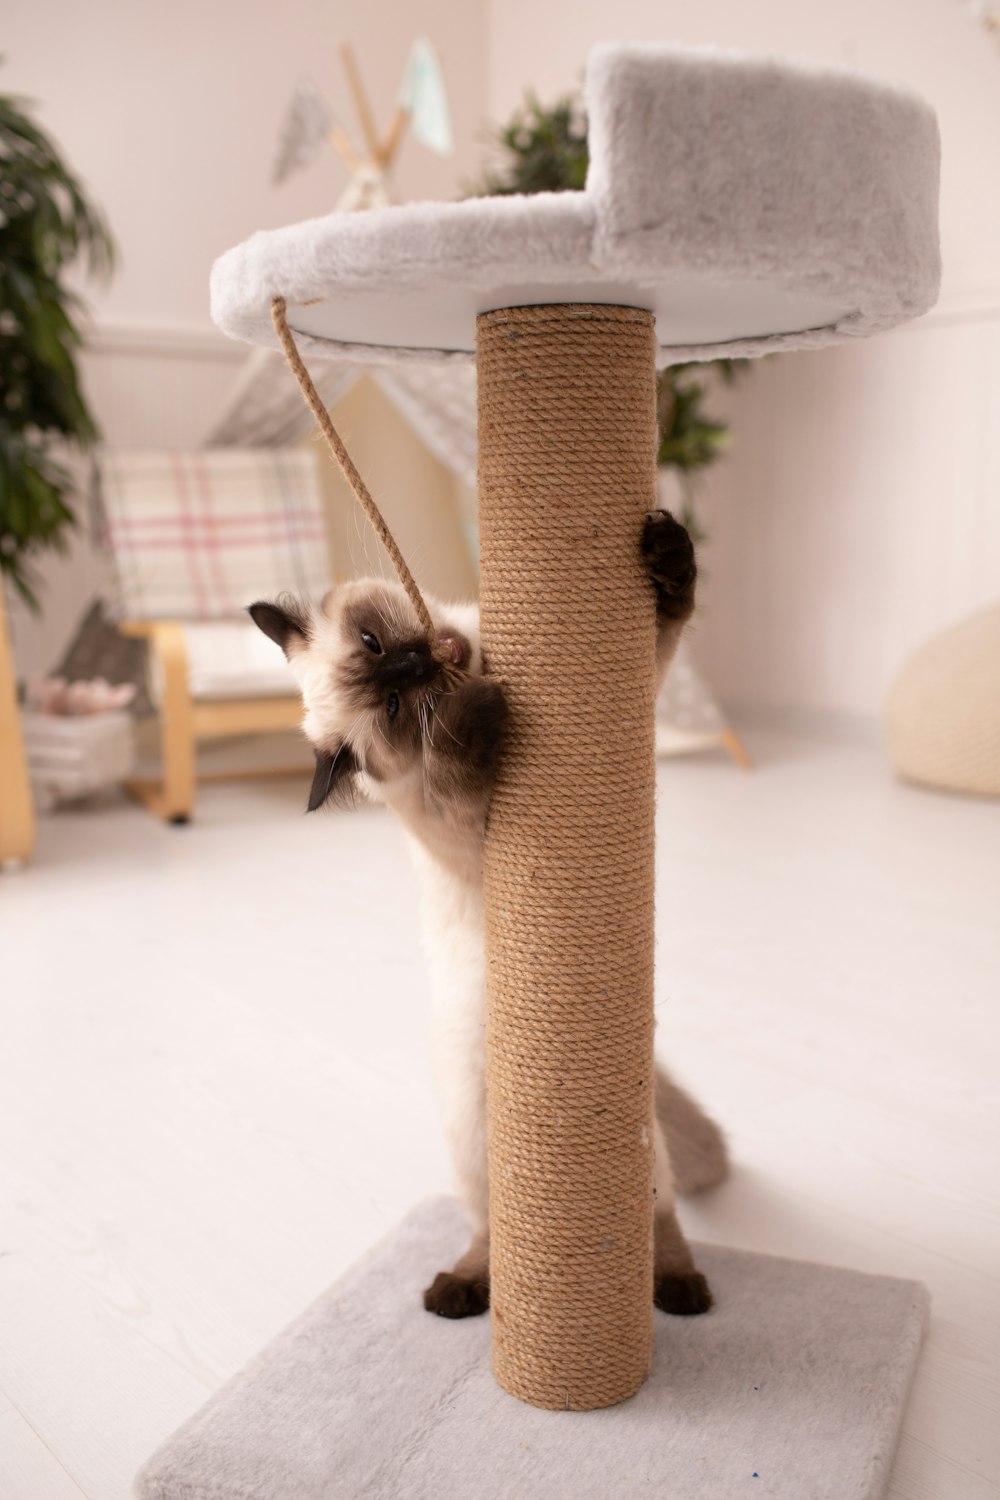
(46, 223)
(544, 149)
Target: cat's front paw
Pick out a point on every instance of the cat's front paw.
(684, 1295)
(452, 1296)
(474, 721)
(668, 553)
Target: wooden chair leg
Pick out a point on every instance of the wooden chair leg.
(177, 744)
(736, 749)
(17, 815)
(172, 798)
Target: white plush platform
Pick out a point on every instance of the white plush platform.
(792, 1388)
(751, 204)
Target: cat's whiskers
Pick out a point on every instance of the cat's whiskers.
(422, 720)
(399, 618)
(429, 716)
(364, 537)
(348, 734)
(375, 723)
(381, 616)
(437, 720)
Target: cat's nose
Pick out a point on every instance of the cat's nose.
(419, 664)
(410, 667)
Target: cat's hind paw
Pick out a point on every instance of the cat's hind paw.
(452, 1296)
(668, 552)
(684, 1295)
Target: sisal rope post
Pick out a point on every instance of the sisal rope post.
(567, 438)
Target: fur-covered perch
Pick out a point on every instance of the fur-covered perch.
(788, 206)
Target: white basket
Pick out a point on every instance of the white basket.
(71, 757)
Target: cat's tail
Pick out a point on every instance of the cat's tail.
(698, 1152)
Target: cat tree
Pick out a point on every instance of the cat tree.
(734, 206)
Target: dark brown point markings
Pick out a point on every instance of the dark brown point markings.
(451, 1296)
(668, 553)
(685, 1295)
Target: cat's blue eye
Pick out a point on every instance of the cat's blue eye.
(392, 705)
(369, 640)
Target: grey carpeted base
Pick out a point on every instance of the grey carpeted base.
(792, 1388)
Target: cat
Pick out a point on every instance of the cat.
(384, 726)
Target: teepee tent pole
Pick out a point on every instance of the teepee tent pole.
(360, 100)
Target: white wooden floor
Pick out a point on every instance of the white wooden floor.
(214, 1091)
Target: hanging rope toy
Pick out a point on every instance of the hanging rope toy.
(452, 673)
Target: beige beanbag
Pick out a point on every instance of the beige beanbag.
(943, 714)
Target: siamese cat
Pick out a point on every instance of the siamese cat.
(383, 725)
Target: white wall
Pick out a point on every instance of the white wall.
(858, 513)
(171, 113)
(860, 508)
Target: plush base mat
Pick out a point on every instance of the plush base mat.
(792, 1387)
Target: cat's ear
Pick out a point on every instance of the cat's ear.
(333, 778)
(286, 622)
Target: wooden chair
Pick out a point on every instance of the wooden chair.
(17, 816)
(196, 538)
(185, 719)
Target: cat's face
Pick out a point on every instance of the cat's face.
(368, 679)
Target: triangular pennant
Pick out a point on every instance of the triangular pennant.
(422, 94)
(305, 128)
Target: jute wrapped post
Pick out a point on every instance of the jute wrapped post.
(567, 428)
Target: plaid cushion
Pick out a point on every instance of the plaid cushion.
(199, 536)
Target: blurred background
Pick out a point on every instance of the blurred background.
(197, 1037)
(855, 513)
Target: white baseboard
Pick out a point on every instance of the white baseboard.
(163, 341)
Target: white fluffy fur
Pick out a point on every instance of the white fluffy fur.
(817, 179)
(449, 869)
(743, 171)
